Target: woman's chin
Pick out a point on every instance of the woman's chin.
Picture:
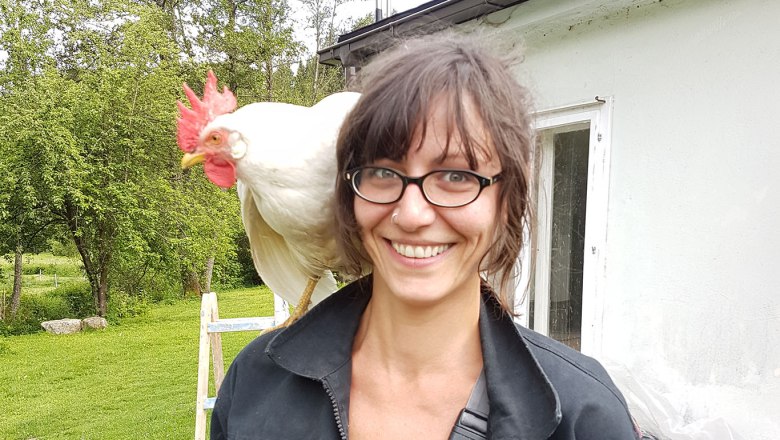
(423, 290)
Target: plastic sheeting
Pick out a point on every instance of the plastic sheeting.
(657, 417)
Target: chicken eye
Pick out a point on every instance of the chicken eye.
(215, 137)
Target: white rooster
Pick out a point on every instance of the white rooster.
(284, 159)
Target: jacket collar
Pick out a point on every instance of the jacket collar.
(513, 374)
(319, 346)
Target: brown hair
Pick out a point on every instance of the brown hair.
(399, 89)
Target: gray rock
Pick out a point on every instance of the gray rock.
(95, 322)
(62, 326)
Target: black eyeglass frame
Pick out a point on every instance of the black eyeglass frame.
(406, 180)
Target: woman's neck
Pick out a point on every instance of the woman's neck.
(413, 340)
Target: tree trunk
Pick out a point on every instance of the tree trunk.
(17, 292)
(91, 271)
(208, 273)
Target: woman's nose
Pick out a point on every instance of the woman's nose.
(413, 210)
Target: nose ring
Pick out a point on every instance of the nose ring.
(394, 218)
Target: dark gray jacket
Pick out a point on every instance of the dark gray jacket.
(294, 383)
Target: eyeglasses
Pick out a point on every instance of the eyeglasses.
(445, 188)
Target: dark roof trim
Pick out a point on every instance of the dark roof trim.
(354, 47)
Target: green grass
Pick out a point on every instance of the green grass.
(38, 272)
(136, 380)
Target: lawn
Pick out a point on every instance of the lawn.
(136, 380)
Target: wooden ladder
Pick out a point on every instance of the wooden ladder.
(211, 329)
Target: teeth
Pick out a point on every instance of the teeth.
(410, 251)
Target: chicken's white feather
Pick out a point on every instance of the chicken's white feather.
(275, 262)
(286, 176)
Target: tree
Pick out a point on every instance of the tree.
(321, 19)
(25, 223)
(246, 41)
(97, 130)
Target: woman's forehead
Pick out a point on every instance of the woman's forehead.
(450, 119)
(453, 131)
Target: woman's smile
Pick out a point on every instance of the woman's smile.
(419, 251)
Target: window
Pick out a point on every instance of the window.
(563, 295)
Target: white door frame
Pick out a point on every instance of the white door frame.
(598, 115)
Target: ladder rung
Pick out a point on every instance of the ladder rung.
(240, 324)
(209, 402)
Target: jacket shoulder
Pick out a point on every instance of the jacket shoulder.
(590, 402)
(254, 351)
(250, 365)
(556, 357)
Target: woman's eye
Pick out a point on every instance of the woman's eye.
(455, 176)
(382, 173)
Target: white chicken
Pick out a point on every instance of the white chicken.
(284, 159)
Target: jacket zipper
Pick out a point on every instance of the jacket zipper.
(336, 414)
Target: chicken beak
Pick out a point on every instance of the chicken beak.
(190, 159)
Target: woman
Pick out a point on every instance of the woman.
(432, 200)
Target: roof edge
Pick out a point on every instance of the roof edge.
(354, 47)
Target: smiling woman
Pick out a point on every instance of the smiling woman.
(432, 199)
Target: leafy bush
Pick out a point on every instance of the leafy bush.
(63, 248)
(34, 309)
(247, 274)
(68, 301)
(34, 269)
(78, 297)
(121, 305)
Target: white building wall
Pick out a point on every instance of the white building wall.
(693, 248)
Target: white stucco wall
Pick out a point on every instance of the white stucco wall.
(693, 261)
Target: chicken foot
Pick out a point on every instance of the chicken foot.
(301, 308)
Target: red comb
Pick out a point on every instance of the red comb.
(191, 122)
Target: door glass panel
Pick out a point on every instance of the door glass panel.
(570, 187)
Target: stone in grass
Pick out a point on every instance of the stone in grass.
(94, 322)
(62, 326)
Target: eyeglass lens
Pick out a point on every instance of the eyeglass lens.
(444, 188)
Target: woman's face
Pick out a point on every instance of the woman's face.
(455, 239)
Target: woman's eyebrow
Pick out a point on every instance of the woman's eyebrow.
(458, 155)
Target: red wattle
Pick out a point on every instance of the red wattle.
(221, 172)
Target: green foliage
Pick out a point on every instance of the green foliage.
(100, 153)
(33, 310)
(69, 301)
(63, 248)
(246, 41)
(121, 305)
(77, 297)
(247, 275)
